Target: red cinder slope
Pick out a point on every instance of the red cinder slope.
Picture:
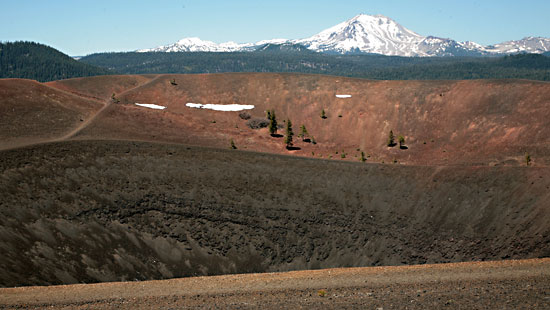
(31, 112)
(481, 122)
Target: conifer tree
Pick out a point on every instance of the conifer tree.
(323, 114)
(303, 132)
(401, 142)
(272, 122)
(391, 139)
(288, 134)
(362, 158)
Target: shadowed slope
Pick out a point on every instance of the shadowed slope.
(88, 211)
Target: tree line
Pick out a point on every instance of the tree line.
(39, 62)
(523, 66)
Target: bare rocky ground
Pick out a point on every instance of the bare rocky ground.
(97, 211)
(132, 200)
(523, 284)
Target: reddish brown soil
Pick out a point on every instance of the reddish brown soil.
(104, 210)
(490, 285)
(101, 87)
(31, 112)
(480, 122)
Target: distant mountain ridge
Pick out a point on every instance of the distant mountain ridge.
(371, 34)
(297, 58)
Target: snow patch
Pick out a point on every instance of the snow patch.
(343, 96)
(151, 106)
(220, 107)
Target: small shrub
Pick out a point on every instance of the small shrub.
(313, 140)
(114, 99)
(323, 114)
(527, 159)
(245, 115)
(233, 146)
(173, 82)
(322, 293)
(257, 123)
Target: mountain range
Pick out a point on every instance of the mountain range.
(369, 34)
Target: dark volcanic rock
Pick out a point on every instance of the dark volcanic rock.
(108, 211)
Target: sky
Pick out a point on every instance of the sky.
(82, 27)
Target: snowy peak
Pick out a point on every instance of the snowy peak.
(525, 45)
(365, 33)
(197, 45)
(376, 34)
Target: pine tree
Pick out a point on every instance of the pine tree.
(289, 134)
(391, 139)
(401, 142)
(527, 159)
(323, 114)
(362, 158)
(303, 132)
(272, 122)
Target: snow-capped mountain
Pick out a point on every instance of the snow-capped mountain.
(526, 45)
(365, 33)
(198, 45)
(374, 34)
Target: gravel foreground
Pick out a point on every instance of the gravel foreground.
(512, 284)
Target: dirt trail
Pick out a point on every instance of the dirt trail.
(521, 284)
(106, 105)
(47, 134)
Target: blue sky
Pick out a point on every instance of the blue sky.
(81, 27)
